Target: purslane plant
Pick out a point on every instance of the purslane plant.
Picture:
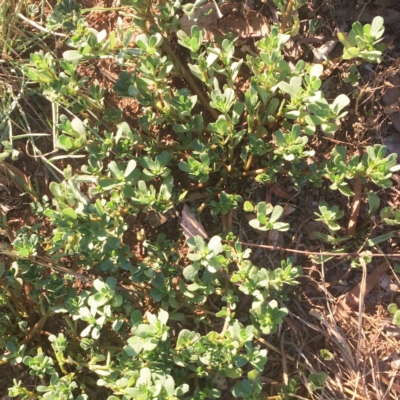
(150, 342)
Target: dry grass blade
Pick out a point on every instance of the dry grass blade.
(352, 298)
(20, 179)
(340, 341)
(361, 307)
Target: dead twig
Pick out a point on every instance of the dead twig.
(361, 307)
(314, 253)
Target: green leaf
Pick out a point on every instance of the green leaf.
(70, 213)
(66, 142)
(377, 28)
(113, 242)
(316, 70)
(190, 272)
(163, 159)
(142, 41)
(155, 40)
(317, 380)
(169, 385)
(177, 317)
(392, 308)
(350, 53)
(343, 37)
(181, 390)
(326, 355)
(233, 373)
(281, 226)
(78, 126)
(340, 102)
(242, 389)
(215, 245)
(253, 375)
(135, 346)
(379, 239)
(248, 206)
(72, 55)
(163, 316)
(114, 169)
(185, 338)
(396, 318)
(345, 189)
(373, 203)
(291, 88)
(129, 168)
(276, 214)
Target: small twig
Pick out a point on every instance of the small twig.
(40, 28)
(314, 253)
(363, 286)
(220, 15)
(290, 358)
(54, 113)
(284, 363)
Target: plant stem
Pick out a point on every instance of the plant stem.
(231, 150)
(355, 207)
(190, 79)
(286, 16)
(203, 206)
(39, 27)
(248, 165)
(197, 187)
(228, 310)
(196, 197)
(37, 328)
(255, 172)
(114, 348)
(54, 113)
(185, 72)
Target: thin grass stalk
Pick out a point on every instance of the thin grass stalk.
(54, 114)
(42, 11)
(8, 42)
